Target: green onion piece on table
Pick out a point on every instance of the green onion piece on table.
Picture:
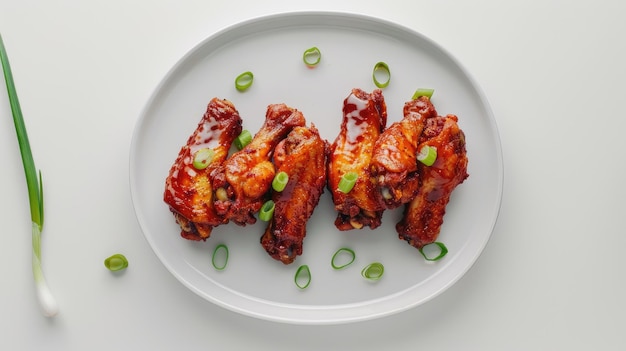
(373, 271)
(35, 189)
(423, 92)
(337, 262)
(312, 56)
(244, 81)
(302, 277)
(116, 262)
(267, 211)
(202, 158)
(347, 181)
(243, 139)
(427, 155)
(443, 250)
(220, 257)
(280, 181)
(381, 75)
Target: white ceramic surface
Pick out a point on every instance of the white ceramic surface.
(271, 47)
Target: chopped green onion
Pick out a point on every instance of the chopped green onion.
(243, 139)
(423, 92)
(244, 81)
(312, 56)
(116, 262)
(381, 70)
(347, 181)
(267, 211)
(280, 181)
(443, 250)
(34, 185)
(427, 155)
(220, 257)
(334, 262)
(302, 277)
(373, 271)
(202, 158)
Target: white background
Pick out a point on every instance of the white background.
(552, 276)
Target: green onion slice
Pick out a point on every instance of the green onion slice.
(427, 155)
(347, 181)
(339, 258)
(244, 81)
(302, 277)
(443, 250)
(373, 271)
(243, 139)
(280, 181)
(202, 158)
(312, 56)
(220, 257)
(267, 211)
(381, 74)
(116, 262)
(423, 92)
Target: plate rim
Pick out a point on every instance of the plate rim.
(335, 15)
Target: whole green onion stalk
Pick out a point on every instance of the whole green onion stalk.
(35, 189)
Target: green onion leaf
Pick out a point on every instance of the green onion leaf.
(202, 158)
(302, 277)
(312, 56)
(243, 139)
(267, 211)
(116, 262)
(339, 260)
(381, 75)
(347, 181)
(373, 271)
(30, 171)
(443, 250)
(244, 81)
(423, 92)
(220, 257)
(34, 184)
(427, 155)
(280, 181)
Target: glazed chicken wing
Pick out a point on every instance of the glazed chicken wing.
(302, 155)
(189, 190)
(423, 216)
(393, 162)
(247, 175)
(364, 118)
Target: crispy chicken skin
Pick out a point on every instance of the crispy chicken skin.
(393, 162)
(245, 179)
(364, 119)
(302, 155)
(189, 191)
(423, 216)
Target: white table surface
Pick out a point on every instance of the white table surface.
(552, 276)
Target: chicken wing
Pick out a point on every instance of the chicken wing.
(423, 216)
(247, 175)
(364, 118)
(393, 162)
(189, 190)
(302, 155)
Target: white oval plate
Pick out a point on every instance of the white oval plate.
(271, 47)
